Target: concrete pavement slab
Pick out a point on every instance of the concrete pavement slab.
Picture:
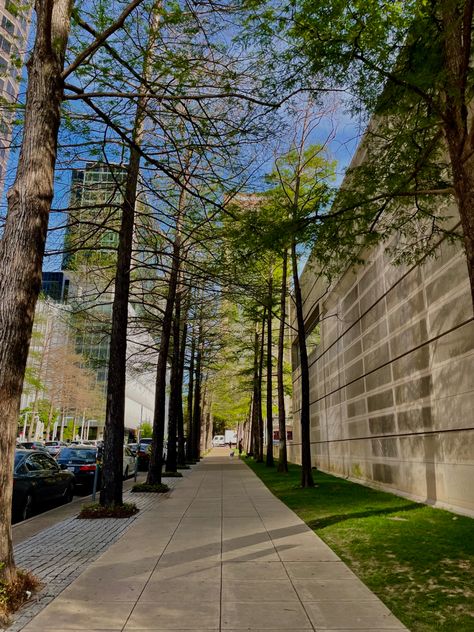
(332, 590)
(63, 614)
(183, 615)
(318, 570)
(254, 570)
(334, 615)
(255, 590)
(197, 571)
(274, 615)
(181, 590)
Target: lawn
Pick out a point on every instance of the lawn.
(417, 559)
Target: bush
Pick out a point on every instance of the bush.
(95, 511)
(172, 474)
(158, 488)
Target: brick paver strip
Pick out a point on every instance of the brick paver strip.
(59, 554)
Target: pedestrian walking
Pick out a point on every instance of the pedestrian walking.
(240, 447)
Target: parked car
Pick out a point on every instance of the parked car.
(31, 445)
(129, 460)
(38, 480)
(218, 441)
(81, 460)
(133, 447)
(53, 447)
(143, 455)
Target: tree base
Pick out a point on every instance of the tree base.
(15, 593)
(96, 511)
(146, 488)
(184, 467)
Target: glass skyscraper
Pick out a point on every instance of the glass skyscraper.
(14, 26)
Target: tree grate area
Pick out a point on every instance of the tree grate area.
(59, 554)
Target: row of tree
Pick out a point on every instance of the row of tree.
(183, 97)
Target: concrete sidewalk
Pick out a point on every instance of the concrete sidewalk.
(221, 553)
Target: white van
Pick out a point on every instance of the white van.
(218, 441)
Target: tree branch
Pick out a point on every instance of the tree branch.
(101, 38)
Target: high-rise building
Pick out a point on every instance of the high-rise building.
(93, 217)
(14, 26)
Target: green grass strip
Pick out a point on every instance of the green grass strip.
(417, 559)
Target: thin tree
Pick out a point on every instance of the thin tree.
(282, 451)
(112, 469)
(269, 456)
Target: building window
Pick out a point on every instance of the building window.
(8, 26)
(5, 45)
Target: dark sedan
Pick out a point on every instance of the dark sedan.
(37, 481)
(81, 461)
(31, 445)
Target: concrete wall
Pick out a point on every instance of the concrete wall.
(392, 380)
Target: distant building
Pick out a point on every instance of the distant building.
(93, 216)
(85, 283)
(14, 26)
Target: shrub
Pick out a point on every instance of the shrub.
(93, 511)
(158, 488)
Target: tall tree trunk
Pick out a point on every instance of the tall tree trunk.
(190, 438)
(197, 400)
(458, 122)
(282, 453)
(254, 434)
(209, 423)
(23, 241)
(269, 459)
(171, 458)
(180, 419)
(260, 382)
(156, 456)
(305, 420)
(248, 429)
(204, 415)
(112, 467)
(464, 191)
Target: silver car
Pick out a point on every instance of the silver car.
(53, 447)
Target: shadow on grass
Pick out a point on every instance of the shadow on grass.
(327, 521)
